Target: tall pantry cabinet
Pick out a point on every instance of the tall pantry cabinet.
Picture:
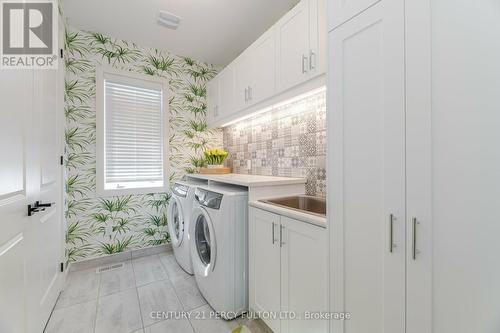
(413, 165)
(367, 128)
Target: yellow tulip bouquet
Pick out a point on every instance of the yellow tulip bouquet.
(215, 156)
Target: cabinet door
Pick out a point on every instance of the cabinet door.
(429, 306)
(303, 275)
(213, 100)
(226, 91)
(317, 37)
(264, 267)
(340, 11)
(262, 56)
(292, 53)
(367, 173)
(242, 79)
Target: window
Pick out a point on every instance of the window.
(131, 134)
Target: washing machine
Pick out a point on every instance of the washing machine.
(219, 247)
(179, 216)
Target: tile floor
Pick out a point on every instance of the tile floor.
(124, 299)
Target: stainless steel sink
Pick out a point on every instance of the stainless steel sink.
(301, 203)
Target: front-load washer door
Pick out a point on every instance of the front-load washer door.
(175, 221)
(203, 242)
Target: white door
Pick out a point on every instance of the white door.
(264, 264)
(303, 275)
(263, 55)
(367, 170)
(292, 52)
(47, 251)
(31, 247)
(17, 171)
(453, 166)
(339, 11)
(423, 295)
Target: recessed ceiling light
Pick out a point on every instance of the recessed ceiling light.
(168, 20)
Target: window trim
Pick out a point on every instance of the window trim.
(132, 78)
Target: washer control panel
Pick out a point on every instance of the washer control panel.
(180, 190)
(208, 198)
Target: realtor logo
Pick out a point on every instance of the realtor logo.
(29, 34)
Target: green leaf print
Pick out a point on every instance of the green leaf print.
(98, 226)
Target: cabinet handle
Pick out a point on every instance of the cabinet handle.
(312, 60)
(249, 93)
(272, 233)
(304, 64)
(414, 239)
(216, 111)
(391, 233)
(246, 95)
(281, 236)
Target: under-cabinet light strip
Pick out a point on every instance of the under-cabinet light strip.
(277, 105)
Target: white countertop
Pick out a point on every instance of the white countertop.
(293, 214)
(249, 180)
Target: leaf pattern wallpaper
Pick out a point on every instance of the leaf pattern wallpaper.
(99, 226)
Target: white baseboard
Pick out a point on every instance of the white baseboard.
(118, 257)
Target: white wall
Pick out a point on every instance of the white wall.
(466, 129)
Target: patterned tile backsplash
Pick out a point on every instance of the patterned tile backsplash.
(288, 140)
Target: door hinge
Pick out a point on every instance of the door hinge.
(61, 52)
(62, 267)
(61, 160)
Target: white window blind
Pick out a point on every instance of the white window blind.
(133, 135)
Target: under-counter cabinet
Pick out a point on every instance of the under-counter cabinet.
(288, 271)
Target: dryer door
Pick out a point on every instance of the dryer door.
(203, 243)
(175, 221)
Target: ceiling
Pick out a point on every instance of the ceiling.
(214, 31)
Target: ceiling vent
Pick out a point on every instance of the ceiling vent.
(169, 20)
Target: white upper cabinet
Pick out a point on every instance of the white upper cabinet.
(226, 91)
(220, 95)
(301, 44)
(290, 53)
(340, 11)
(317, 37)
(262, 55)
(293, 47)
(242, 79)
(254, 72)
(213, 99)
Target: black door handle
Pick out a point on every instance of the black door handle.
(34, 209)
(38, 204)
